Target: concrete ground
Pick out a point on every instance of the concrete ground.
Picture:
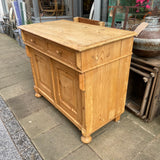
(55, 137)
(14, 143)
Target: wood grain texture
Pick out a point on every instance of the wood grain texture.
(88, 21)
(78, 36)
(82, 77)
(67, 90)
(41, 65)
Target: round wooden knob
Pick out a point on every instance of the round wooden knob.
(59, 52)
(31, 40)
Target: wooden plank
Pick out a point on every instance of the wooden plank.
(89, 21)
(101, 95)
(126, 50)
(140, 28)
(123, 83)
(106, 89)
(78, 36)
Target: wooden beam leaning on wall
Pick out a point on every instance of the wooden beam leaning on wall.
(88, 21)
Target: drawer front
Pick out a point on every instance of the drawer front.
(61, 53)
(35, 41)
(101, 55)
(106, 54)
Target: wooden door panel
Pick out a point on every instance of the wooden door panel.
(68, 92)
(43, 73)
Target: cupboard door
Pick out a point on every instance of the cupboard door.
(42, 65)
(68, 92)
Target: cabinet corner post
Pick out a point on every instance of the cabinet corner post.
(78, 61)
(28, 52)
(82, 82)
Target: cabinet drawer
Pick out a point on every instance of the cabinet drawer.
(61, 53)
(35, 41)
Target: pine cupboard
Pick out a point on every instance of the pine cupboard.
(81, 69)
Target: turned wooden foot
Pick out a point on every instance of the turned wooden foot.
(86, 139)
(117, 119)
(37, 95)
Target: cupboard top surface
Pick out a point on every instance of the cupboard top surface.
(77, 36)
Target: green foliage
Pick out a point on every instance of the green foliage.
(112, 2)
(127, 2)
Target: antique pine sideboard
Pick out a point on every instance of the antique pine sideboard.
(81, 69)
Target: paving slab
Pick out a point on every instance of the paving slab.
(83, 153)
(142, 156)
(151, 150)
(152, 127)
(7, 71)
(12, 62)
(26, 104)
(8, 44)
(5, 37)
(5, 49)
(12, 58)
(61, 141)
(9, 53)
(15, 78)
(40, 122)
(17, 89)
(121, 141)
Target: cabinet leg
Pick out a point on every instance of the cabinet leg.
(117, 119)
(36, 92)
(86, 139)
(37, 95)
